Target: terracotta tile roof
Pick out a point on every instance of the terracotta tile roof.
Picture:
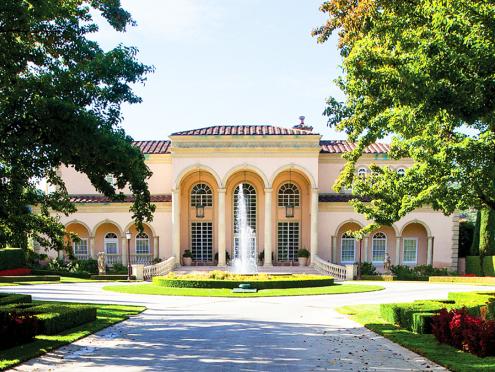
(243, 130)
(341, 146)
(335, 198)
(95, 198)
(153, 147)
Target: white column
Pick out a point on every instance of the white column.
(176, 224)
(268, 227)
(365, 248)
(221, 228)
(156, 247)
(123, 250)
(397, 250)
(334, 250)
(429, 258)
(314, 223)
(92, 250)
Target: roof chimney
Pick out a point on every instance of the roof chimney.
(302, 126)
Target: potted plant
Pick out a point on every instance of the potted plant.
(187, 257)
(227, 257)
(302, 256)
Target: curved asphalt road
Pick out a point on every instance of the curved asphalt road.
(232, 334)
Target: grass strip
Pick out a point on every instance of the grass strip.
(151, 289)
(423, 344)
(107, 315)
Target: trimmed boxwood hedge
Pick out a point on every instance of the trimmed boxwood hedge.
(416, 316)
(30, 278)
(463, 279)
(274, 283)
(12, 258)
(53, 318)
(112, 277)
(14, 298)
(385, 278)
(82, 275)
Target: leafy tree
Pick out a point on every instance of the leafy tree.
(423, 72)
(60, 99)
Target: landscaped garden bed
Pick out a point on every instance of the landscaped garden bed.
(221, 279)
(31, 329)
(464, 320)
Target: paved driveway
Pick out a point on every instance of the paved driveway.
(230, 334)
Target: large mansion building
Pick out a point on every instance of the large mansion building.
(287, 176)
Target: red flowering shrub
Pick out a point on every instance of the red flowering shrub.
(464, 331)
(16, 329)
(16, 272)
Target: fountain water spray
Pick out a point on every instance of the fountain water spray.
(244, 261)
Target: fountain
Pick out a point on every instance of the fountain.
(244, 261)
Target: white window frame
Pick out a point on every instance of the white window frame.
(362, 172)
(140, 238)
(111, 240)
(404, 250)
(110, 178)
(373, 248)
(76, 243)
(344, 237)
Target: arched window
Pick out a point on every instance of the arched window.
(288, 194)
(348, 249)
(201, 194)
(362, 172)
(379, 247)
(142, 243)
(111, 243)
(401, 172)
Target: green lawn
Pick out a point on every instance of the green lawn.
(106, 316)
(151, 289)
(426, 345)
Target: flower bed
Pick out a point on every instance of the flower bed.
(16, 272)
(417, 316)
(219, 279)
(465, 332)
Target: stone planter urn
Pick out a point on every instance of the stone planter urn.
(303, 261)
(187, 257)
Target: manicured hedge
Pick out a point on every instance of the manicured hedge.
(275, 283)
(463, 279)
(12, 258)
(82, 275)
(416, 316)
(112, 277)
(473, 265)
(404, 314)
(385, 278)
(14, 298)
(30, 278)
(53, 318)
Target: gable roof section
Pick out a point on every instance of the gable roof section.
(342, 146)
(243, 130)
(153, 147)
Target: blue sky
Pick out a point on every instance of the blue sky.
(227, 62)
